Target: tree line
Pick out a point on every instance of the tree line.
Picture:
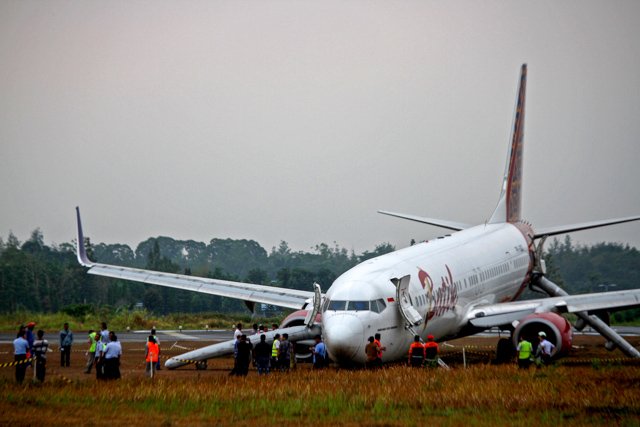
(41, 278)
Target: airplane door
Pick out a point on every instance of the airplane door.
(317, 300)
(405, 305)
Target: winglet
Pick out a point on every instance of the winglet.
(80, 249)
(508, 209)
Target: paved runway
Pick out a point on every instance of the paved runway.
(170, 336)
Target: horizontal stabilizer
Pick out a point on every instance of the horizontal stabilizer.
(451, 225)
(552, 231)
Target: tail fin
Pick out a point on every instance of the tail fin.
(508, 209)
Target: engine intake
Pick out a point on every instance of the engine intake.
(557, 328)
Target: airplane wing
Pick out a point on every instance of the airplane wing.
(552, 231)
(490, 315)
(250, 293)
(451, 225)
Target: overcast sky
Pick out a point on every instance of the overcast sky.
(298, 120)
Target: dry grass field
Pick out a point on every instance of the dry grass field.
(586, 388)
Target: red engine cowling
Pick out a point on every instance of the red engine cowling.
(557, 328)
(301, 349)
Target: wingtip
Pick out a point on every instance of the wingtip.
(80, 248)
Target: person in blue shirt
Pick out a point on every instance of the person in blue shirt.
(111, 354)
(319, 354)
(21, 347)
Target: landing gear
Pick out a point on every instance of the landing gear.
(201, 366)
(504, 351)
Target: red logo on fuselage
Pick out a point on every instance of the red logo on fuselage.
(442, 298)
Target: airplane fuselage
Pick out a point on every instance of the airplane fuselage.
(450, 275)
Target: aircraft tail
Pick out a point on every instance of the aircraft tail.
(508, 209)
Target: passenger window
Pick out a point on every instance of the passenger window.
(337, 305)
(358, 305)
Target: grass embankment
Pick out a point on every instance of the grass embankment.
(482, 395)
(136, 320)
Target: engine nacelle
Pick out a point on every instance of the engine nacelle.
(301, 348)
(557, 328)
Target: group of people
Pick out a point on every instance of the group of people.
(27, 347)
(104, 353)
(266, 357)
(374, 351)
(542, 355)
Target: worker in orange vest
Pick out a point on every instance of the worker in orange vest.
(431, 351)
(416, 353)
(153, 350)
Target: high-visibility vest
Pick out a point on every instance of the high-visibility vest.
(431, 350)
(379, 345)
(274, 349)
(93, 342)
(154, 350)
(525, 349)
(416, 350)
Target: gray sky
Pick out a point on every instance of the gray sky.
(297, 120)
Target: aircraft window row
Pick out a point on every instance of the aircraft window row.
(376, 306)
(495, 271)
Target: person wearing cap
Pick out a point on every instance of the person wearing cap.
(319, 353)
(524, 353)
(431, 351)
(66, 341)
(416, 353)
(545, 348)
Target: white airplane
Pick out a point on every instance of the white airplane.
(450, 287)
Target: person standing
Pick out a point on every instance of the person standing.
(377, 339)
(545, 348)
(112, 353)
(416, 353)
(275, 351)
(319, 354)
(20, 347)
(40, 347)
(524, 353)
(91, 352)
(244, 355)
(431, 351)
(99, 357)
(30, 337)
(66, 341)
(284, 353)
(104, 333)
(238, 332)
(262, 353)
(254, 331)
(151, 356)
(153, 333)
(371, 351)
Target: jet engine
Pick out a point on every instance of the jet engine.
(301, 348)
(557, 328)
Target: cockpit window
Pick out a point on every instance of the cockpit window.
(381, 305)
(374, 307)
(337, 305)
(358, 305)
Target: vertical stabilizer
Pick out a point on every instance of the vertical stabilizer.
(508, 209)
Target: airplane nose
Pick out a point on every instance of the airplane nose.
(343, 338)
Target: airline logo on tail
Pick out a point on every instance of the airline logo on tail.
(514, 184)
